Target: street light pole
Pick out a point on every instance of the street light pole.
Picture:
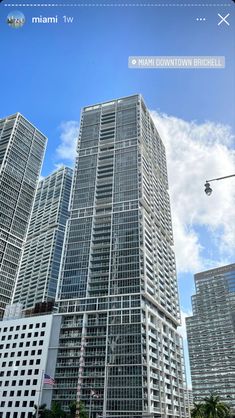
(208, 189)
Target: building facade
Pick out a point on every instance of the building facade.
(27, 350)
(211, 334)
(40, 263)
(22, 149)
(119, 349)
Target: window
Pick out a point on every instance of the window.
(34, 381)
(4, 393)
(38, 361)
(9, 403)
(12, 393)
(19, 392)
(27, 382)
(29, 371)
(24, 403)
(31, 362)
(33, 392)
(22, 372)
(24, 362)
(17, 403)
(2, 404)
(26, 393)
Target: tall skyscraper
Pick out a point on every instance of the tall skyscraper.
(22, 149)
(211, 334)
(40, 263)
(119, 350)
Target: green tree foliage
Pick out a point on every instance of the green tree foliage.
(211, 407)
(214, 408)
(57, 412)
(198, 410)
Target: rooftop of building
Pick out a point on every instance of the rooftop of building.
(215, 271)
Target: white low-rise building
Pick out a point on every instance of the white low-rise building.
(28, 349)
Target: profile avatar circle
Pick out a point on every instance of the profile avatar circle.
(16, 19)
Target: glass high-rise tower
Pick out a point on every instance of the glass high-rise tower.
(39, 269)
(119, 349)
(211, 334)
(22, 149)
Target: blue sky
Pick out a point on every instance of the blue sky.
(50, 71)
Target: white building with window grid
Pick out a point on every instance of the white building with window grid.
(40, 263)
(27, 349)
(22, 149)
(118, 288)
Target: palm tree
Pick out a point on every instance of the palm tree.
(81, 407)
(57, 411)
(198, 410)
(215, 408)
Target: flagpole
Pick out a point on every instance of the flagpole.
(90, 405)
(40, 394)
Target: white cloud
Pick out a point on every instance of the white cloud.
(196, 152)
(66, 151)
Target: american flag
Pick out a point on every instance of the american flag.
(48, 380)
